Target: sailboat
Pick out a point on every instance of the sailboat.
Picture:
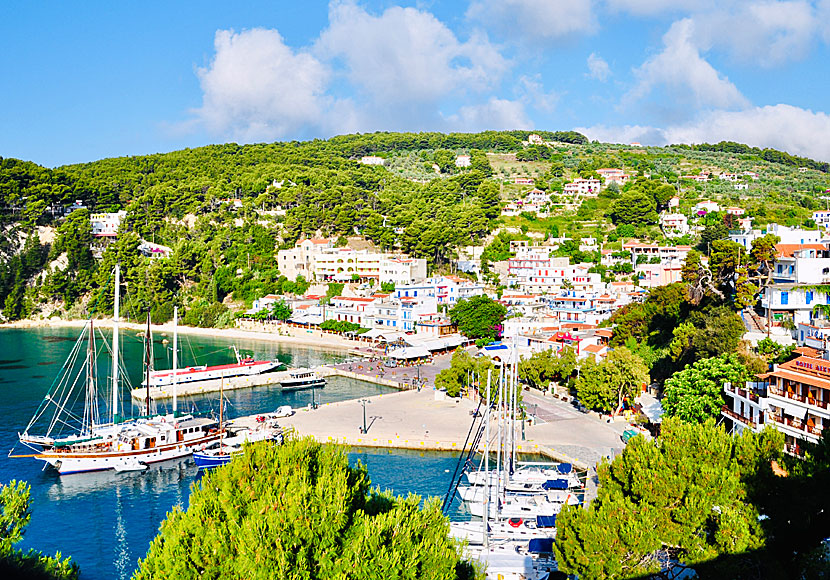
(75, 440)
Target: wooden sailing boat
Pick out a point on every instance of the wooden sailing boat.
(76, 440)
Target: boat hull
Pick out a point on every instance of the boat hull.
(67, 463)
(208, 461)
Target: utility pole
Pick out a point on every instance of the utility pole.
(363, 402)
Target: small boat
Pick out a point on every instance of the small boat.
(302, 379)
(129, 464)
(221, 452)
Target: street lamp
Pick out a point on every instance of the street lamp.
(363, 402)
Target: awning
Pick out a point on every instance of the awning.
(540, 545)
(373, 333)
(409, 352)
(555, 484)
(791, 409)
(309, 319)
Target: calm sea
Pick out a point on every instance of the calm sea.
(106, 521)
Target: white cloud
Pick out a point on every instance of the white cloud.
(496, 114)
(654, 7)
(406, 55)
(784, 127)
(534, 20)
(257, 88)
(532, 91)
(768, 33)
(689, 80)
(597, 68)
(823, 15)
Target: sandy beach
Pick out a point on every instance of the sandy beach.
(272, 333)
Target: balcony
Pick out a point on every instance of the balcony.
(810, 401)
(797, 424)
(745, 393)
(739, 418)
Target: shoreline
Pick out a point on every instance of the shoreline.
(297, 336)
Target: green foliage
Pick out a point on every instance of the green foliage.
(464, 371)
(546, 366)
(342, 326)
(207, 315)
(14, 563)
(478, 317)
(387, 287)
(678, 499)
(334, 289)
(299, 510)
(695, 394)
(603, 386)
(634, 208)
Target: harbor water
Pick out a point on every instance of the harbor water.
(105, 521)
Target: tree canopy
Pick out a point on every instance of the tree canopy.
(478, 317)
(603, 386)
(695, 394)
(16, 563)
(299, 510)
(677, 500)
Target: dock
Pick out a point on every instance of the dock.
(266, 379)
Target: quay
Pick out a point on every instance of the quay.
(428, 421)
(266, 379)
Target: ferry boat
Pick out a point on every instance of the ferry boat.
(243, 367)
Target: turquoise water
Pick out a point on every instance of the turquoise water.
(106, 521)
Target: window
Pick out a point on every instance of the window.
(785, 298)
(809, 296)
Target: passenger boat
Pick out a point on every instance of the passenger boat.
(74, 437)
(302, 379)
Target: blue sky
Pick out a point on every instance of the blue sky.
(83, 81)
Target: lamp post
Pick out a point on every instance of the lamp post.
(363, 402)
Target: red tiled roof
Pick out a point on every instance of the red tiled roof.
(787, 250)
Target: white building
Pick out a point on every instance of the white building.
(788, 236)
(346, 264)
(706, 206)
(669, 255)
(674, 224)
(617, 176)
(371, 160)
(462, 161)
(797, 266)
(822, 218)
(537, 196)
(106, 224)
(535, 139)
(447, 290)
(585, 187)
(297, 261)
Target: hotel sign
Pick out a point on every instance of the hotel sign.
(814, 367)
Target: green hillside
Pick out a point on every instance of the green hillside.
(418, 202)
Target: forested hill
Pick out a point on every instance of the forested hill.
(226, 209)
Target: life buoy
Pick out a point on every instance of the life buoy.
(515, 522)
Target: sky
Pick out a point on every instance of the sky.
(87, 80)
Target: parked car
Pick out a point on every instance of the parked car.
(283, 411)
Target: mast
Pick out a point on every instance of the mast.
(487, 482)
(175, 358)
(221, 406)
(89, 407)
(148, 362)
(115, 362)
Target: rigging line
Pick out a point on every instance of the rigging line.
(59, 377)
(64, 399)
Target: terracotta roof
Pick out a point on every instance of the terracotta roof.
(787, 250)
(596, 348)
(807, 351)
(607, 332)
(801, 378)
